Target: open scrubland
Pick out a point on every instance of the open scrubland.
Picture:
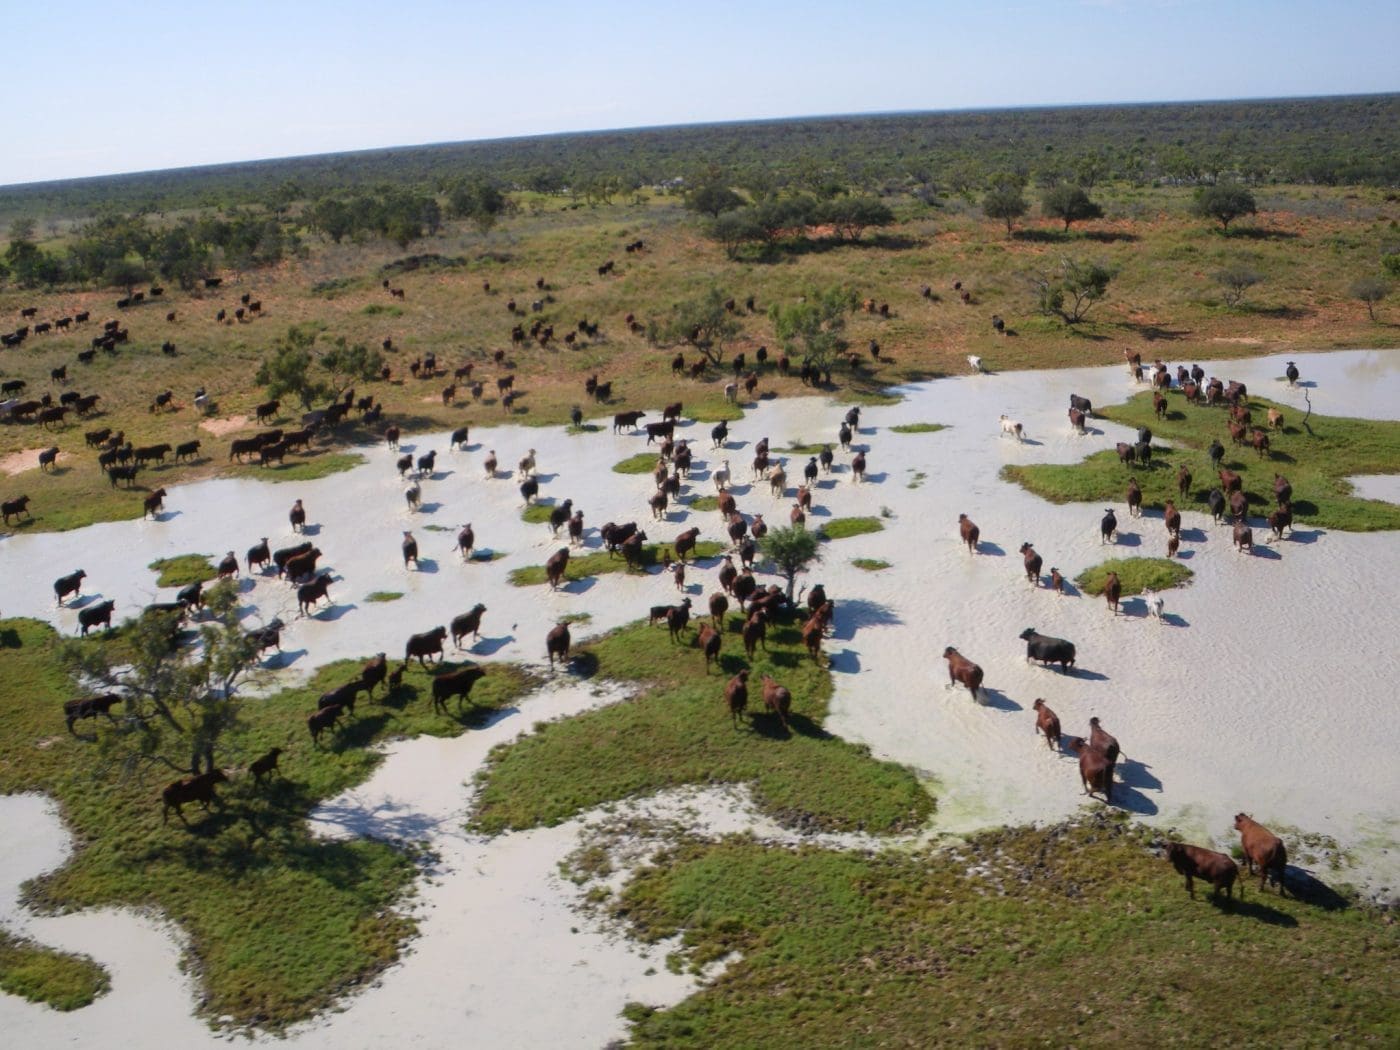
(889, 861)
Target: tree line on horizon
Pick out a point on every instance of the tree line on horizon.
(1328, 141)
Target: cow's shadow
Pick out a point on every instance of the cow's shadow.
(81, 601)
(998, 700)
(333, 612)
(283, 658)
(1263, 550)
(426, 565)
(490, 646)
(580, 585)
(311, 529)
(991, 549)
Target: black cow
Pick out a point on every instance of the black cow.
(101, 613)
(89, 707)
(1048, 650)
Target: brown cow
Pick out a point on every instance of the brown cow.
(555, 566)
(1197, 863)
(719, 605)
(1047, 722)
(961, 669)
(557, 643)
(969, 532)
(709, 640)
(1095, 769)
(755, 631)
(778, 700)
(198, 788)
(265, 765)
(1264, 848)
(1033, 562)
(812, 632)
(736, 696)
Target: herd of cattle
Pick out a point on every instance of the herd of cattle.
(1097, 754)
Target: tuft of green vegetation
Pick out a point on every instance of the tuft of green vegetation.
(314, 465)
(603, 562)
(536, 513)
(238, 879)
(843, 528)
(986, 942)
(1136, 575)
(383, 596)
(44, 975)
(381, 310)
(184, 569)
(1316, 460)
(641, 463)
(798, 448)
(576, 617)
(870, 564)
(677, 731)
(702, 503)
(918, 428)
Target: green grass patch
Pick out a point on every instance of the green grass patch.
(184, 569)
(1316, 461)
(677, 731)
(380, 310)
(870, 564)
(239, 879)
(798, 448)
(314, 465)
(700, 503)
(44, 975)
(641, 463)
(536, 513)
(603, 562)
(383, 596)
(888, 948)
(918, 428)
(576, 617)
(1136, 575)
(843, 528)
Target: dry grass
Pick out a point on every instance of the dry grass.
(1163, 299)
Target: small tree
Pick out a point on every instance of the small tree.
(351, 363)
(1005, 203)
(850, 216)
(1235, 280)
(1069, 204)
(178, 701)
(790, 550)
(123, 273)
(1223, 202)
(288, 370)
(1072, 292)
(815, 326)
(736, 228)
(1370, 290)
(713, 198)
(705, 324)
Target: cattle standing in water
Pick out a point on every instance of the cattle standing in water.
(1108, 526)
(1048, 650)
(1095, 769)
(66, 585)
(297, 517)
(101, 613)
(969, 533)
(557, 644)
(961, 669)
(1047, 722)
(469, 623)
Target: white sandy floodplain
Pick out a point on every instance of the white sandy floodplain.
(1268, 688)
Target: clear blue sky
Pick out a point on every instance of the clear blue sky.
(96, 87)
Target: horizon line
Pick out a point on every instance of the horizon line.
(864, 114)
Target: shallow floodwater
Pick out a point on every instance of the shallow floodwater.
(1266, 687)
